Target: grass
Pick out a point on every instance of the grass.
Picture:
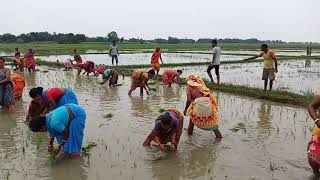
(274, 95)
(52, 48)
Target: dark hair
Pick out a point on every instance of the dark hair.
(37, 123)
(166, 119)
(75, 50)
(264, 45)
(35, 91)
(16, 48)
(2, 59)
(151, 71)
(214, 41)
(113, 41)
(179, 71)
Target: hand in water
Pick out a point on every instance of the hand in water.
(56, 151)
(50, 148)
(162, 147)
(174, 146)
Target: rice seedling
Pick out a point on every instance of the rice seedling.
(86, 150)
(238, 127)
(107, 116)
(52, 158)
(161, 110)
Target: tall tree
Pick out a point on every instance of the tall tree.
(112, 36)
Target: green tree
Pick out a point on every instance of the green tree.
(113, 36)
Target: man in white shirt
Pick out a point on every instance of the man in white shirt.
(215, 63)
(114, 52)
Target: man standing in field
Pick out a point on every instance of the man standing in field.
(270, 65)
(215, 63)
(114, 53)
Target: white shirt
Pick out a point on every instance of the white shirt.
(114, 50)
(216, 50)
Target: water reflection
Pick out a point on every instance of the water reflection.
(139, 106)
(69, 169)
(264, 115)
(119, 154)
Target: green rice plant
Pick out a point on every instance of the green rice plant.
(161, 110)
(52, 158)
(86, 150)
(238, 127)
(107, 116)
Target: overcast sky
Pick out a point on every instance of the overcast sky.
(289, 20)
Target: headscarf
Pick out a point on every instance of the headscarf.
(197, 82)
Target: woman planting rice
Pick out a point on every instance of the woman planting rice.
(53, 97)
(66, 124)
(140, 79)
(168, 128)
(111, 75)
(202, 106)
(170, 76)
(88, 67)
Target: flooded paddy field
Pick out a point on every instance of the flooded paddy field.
(278, 52)
(292, 75)
(143, 58)
(272, 144)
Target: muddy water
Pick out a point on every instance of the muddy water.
(278, 52)
(292, 75)
(272, 145)
(144, 58)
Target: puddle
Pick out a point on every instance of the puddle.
(272, 147)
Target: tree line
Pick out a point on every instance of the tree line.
(70, 38)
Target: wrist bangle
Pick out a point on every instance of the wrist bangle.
(315, 121)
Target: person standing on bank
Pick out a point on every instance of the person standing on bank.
(215, 63)
(270, 65)
(114, 53)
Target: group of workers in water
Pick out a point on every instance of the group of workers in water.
(56, 109)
